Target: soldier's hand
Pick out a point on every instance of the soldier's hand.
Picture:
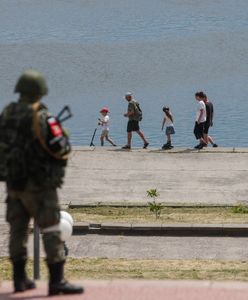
(66, 132)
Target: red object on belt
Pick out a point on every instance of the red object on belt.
(55, 127)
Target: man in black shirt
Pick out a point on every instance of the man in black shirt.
(209, 120)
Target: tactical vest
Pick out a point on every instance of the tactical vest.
(22, 155)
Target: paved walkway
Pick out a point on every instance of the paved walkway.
(180, 176)
(141, 290)
(153, 247)
(213, 175)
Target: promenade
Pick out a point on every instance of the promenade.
(112, 175)
(209, 176)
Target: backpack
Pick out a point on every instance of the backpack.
(15, 123)
(138, 115)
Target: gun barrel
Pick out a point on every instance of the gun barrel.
(65, 109)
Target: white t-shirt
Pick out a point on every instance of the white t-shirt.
(201, 105)
(105, 122)
(168, 122)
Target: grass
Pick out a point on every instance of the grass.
(207, 215)
(102, 268)
(240, 209)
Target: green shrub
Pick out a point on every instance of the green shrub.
(240, 209)
(154, 206)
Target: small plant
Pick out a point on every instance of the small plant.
(154, 206)
(240, 209)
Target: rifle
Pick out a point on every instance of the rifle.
(66, 109)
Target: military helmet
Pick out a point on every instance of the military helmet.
(31, 83)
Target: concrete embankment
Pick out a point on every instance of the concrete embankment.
(209, 176)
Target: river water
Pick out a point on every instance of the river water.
(93, 51)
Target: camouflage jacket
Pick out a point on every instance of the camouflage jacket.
(24, 149)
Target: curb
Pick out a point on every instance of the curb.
(145, 205)
(153, 149)
(221, 230)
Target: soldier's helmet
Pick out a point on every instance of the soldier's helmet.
(31, 83)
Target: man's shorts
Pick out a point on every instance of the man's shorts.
(206, 128)
(132, 125)
(198, 130)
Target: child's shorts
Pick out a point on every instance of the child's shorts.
(105, 132)
(169, 130)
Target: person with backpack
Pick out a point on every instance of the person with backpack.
(168, 121)
(134, 115)
(34, 151)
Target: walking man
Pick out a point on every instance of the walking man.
(134, 116)
(209, 119)
(200, 121)
(34, 149)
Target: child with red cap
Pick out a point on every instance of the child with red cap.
(104, 122)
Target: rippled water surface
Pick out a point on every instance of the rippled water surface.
(93, 51)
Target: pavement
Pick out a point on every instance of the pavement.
(140, 290)
(181, 175)
(141, 246)
(154, 247)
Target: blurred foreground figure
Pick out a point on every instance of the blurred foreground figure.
(34, 149)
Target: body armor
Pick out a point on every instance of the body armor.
(23, 156)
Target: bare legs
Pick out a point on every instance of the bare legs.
(140, 133)
(107, 139)
(208, 139)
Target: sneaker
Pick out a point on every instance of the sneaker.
(200, 146)
(145, 145)
(197, 146)
(215, 145)
(165, 147)
(126, 147)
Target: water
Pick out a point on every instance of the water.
(93, 51)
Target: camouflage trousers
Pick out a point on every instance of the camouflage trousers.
(43, 207)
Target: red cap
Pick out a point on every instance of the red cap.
(104, 109)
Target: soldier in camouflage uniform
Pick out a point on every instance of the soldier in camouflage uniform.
(35, 155)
